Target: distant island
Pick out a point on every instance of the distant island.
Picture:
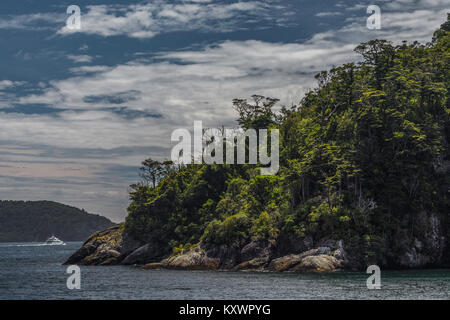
(35, 221)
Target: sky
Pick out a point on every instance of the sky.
(80, 109)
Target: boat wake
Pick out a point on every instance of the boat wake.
(52, 241)
(22, 245)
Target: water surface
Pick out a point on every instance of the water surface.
(34, 271)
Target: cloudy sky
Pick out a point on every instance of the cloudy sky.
(79, 110)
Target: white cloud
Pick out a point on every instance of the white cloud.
(155, 17)
(36, 21)
(150, 18)
(200, 87)
(328, 14)
(400, 20)
(83, 58)
(6, 84)
(89, 69)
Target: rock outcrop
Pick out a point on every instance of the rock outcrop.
(257, 258)
(319, 259)
(320, 263)
(194, 259)
(105, 247)
(143, 254)
(256, 264)
(285, 263)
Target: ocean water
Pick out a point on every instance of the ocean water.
(34, 271)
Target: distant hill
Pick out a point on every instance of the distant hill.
(28, 221)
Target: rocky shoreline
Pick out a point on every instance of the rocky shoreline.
(114, 246)
(314, 260)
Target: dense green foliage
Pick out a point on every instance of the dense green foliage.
(30, 221)
(362, 156)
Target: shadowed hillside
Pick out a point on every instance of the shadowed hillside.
(22, 221)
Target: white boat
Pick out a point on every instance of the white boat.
(54, 241)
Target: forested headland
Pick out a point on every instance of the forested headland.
(364, 178)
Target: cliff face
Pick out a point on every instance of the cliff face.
(430, 250)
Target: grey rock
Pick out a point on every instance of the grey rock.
(291, 245)
(256, 264)
(229, 256)
(317, 263)
(143, 255)
(323, 250)
(414, 259)
(104, 247)
(285, 263)
(255, 249)
(129, 244)
(427, 251)
(194, 259)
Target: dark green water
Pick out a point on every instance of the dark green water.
(32, 271)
